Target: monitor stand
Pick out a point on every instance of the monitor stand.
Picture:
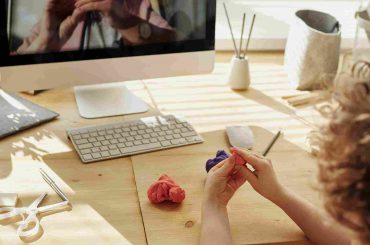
(106, 100)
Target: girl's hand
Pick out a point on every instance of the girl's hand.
(223, 180)
(263, 179)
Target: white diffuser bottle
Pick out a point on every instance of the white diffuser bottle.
(239, 75)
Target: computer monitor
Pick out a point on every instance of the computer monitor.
(47, 44)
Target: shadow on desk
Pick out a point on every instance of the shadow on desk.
(26, 144)
(108, 187)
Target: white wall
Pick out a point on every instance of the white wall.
(274, 16)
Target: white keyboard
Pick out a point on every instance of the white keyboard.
(109, 141)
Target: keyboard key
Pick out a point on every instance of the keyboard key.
(112, 147)
(178, 141)
(137, 142)
(105, 154)
(188, 134)
(114, 152)
(85, 146)
(118, 130)
(142, 126)
(105, 142)
(94, 134)
(140, 148)
(145, 141)
(97, 144)
(138, 137)
(96, 155)
(76, 137)
(125, 134)
(110, 131)
(108, 137)
(134, 128)
(177, 131)
(87, 157)
(162, 133)
(129, 144)
(146, 136)
(126, 130)
(169, 137)
(86, 151)
(153, 140)
(133, 133)
(85, 136)
(95, 149)
(92, 140)
(193, 139)
(117, 136)
(81, 141)
(104, 148)
(141, 132)
(100, 138)
(154, 134)
(102, 133)
(165, 143)
(121, 145)
(130, 138)
(177, 136)
(161, 138)
(121, 140)
(149, 130)
(114, 141)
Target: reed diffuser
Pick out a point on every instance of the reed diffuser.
(239, 74)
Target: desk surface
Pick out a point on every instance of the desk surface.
(109, 200)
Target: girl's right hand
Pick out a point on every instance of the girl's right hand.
(263, 179)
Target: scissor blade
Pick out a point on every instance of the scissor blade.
(37, 202)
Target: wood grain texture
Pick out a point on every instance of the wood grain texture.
(253, 219)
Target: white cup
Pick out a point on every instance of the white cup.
(239, 77)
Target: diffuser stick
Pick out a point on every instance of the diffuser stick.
(241, 37)
(231, 30)
(249, 36)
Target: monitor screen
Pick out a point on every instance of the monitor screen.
(45, 31)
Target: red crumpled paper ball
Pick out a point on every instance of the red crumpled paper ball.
(165, 189)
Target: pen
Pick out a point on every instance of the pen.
(268, 148)
(52, 184)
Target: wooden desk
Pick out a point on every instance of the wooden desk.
(109, 201)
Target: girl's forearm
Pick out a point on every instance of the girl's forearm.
(215, 227)
(314, 223)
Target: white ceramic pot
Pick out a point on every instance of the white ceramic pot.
(313, 48)
(239, 76)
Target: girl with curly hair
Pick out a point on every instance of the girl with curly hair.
(343, 145)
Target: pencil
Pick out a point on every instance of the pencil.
(268, 148)
(231, 30)
(52, 184)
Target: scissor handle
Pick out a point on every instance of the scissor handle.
(23, 230)
(9, 212)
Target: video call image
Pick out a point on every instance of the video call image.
(43, 26)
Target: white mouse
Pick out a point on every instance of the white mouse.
(240, 136)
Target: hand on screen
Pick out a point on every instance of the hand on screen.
(59, 20)
(121, 14)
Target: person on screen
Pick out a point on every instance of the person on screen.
(344, 175)
(82, 24)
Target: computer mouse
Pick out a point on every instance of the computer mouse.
(240, 136)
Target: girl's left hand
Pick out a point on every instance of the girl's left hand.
(223, 180)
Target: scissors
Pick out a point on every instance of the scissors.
(29, 215)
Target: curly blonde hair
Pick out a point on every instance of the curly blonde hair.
(344, 155)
